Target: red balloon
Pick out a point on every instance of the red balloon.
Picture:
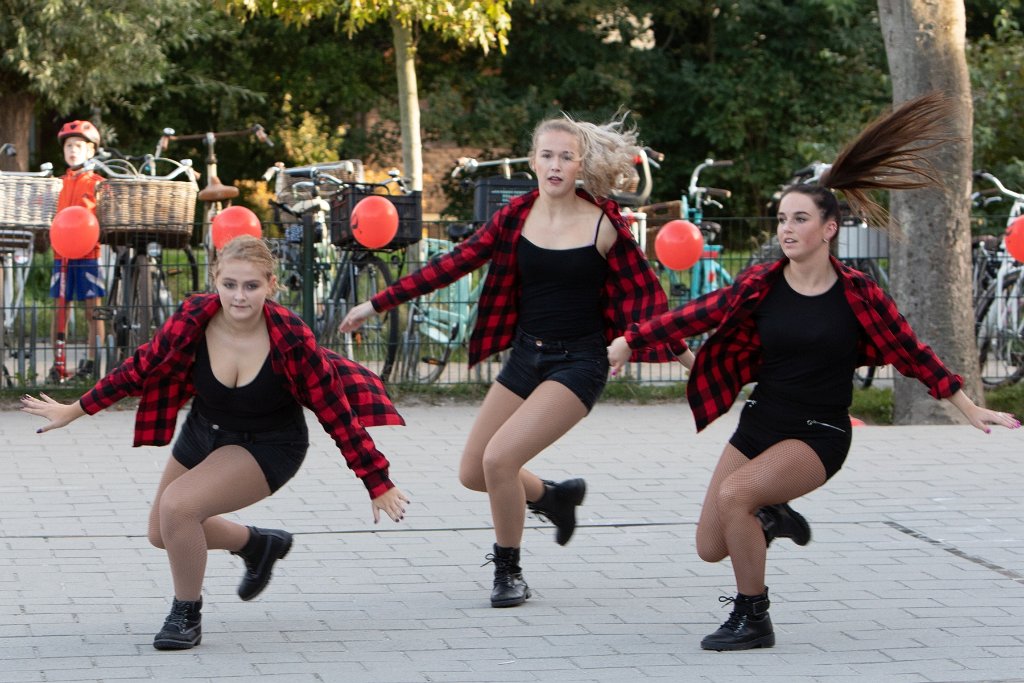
(679, 245)
(232, 222)
(1015, 239)
(856, 421)
(374, 221)
(74, 232)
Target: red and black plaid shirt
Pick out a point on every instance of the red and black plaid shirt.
(632, 291)
(731, 357)
(345, 396)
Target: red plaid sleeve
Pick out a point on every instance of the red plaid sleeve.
(365, 393)
(440, 271)
(316, 382)
(890, 332)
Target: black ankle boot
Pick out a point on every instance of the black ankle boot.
(182, 628)
(264, 548)
(782, 521)
(558, 504)
(748, 627)
(510, 588)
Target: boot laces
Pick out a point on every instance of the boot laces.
(178, 616)
(736, 619)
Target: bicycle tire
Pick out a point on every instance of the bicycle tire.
(426, 344)
(375, 344)
(140, 308)
(1001, 347)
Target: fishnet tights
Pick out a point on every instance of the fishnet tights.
(184, 518)
(739, 486)
(508, 432)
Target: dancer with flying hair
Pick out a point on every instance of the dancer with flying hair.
(798, 327)
(565, 278)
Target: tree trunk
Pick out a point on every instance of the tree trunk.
(931, 264)
(15, 127)
(408, 104)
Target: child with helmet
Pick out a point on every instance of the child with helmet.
(80, 141)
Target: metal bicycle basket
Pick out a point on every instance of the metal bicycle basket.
(143, 209)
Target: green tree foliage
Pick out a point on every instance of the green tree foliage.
(997, 82)
(70, 55)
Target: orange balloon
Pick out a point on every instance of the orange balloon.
(74, 232)
(374, 221)
(1015, 239)
(232, 222)
(679, 245)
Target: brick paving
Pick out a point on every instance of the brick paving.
(915, 573)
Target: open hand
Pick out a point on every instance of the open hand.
(356, 317)
(59, 414)
(392, 502)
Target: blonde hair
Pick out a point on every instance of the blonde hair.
(250, 250)
(607, 151)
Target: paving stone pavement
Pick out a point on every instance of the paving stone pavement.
(915, 573)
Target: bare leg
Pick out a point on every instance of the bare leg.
(184, 516)
(548, 413)
(498, 406)
(728, 525)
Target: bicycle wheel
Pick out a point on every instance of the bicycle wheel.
(1000, 324)
(140, 306)
(375, 344)
(430, 331)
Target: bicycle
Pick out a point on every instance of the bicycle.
(215, 194)
(331, 287)
(140, 214)
(999, 301)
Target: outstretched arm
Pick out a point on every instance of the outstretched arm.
(58, 414)
(979, 417)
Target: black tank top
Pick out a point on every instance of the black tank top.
(562, 289)
(262, 405)
(810, 348)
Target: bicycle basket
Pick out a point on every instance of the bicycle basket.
(30, 204)
(349, 171)
(132, 211)
(410, 218)
(495, 192)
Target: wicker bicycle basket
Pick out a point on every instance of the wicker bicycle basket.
(146, 210)
(29, 204)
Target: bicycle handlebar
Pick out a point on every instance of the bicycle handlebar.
(168, 135)
(470, 165)
(45, 171)
(1002, 189)
(123, 170)
(8, 149)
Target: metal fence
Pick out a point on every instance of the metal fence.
(144, 288)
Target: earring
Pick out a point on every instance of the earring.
(825, 240)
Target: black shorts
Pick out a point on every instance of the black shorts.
(763, 424)
(279, 453)
(579, 364)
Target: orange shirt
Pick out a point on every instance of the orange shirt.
(79, 189)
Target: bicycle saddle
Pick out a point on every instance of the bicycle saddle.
(711, 230)
(216, 191)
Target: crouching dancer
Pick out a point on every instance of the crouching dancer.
(252, 365)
